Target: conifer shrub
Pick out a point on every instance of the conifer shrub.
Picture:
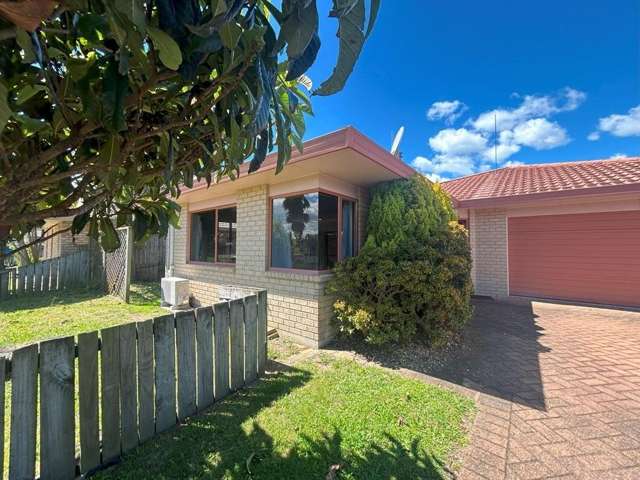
(412, 277)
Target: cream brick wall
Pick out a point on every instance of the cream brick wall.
(297, 305)
(488, 230)
(64, 243)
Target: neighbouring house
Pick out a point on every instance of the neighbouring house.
(568, 231)
(148, 260)
(282, 232)
(63, 243)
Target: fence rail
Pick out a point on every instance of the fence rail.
(55, 274)
(135, 380)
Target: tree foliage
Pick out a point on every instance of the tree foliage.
(413, 275)
(109, 107)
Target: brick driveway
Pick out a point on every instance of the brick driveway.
(560, 392)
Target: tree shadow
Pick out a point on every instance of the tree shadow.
(497, 354)
(48, 299)
(220, 443)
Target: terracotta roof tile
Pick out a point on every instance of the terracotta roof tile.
(545, 178)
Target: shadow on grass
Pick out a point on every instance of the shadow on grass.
(226, 441)
(48, 299)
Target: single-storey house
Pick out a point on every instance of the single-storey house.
(568, 231)
(282, 232)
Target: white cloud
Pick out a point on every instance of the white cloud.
(593, 136)
(540, 133)
(457, 142)
(622, 125)
(444, 164)
(618, 155)
(447, 110)
(504, 151)
(473, 148)
(532, 106)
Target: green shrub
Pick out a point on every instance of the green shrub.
(412, 277)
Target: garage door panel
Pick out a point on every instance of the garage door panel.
(586, 257)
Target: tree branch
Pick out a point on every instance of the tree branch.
(41, 238)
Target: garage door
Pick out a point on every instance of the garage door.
(592, 257)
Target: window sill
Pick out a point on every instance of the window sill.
(211, 264)
(312, 275)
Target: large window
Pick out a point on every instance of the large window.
(213, 236)
(311, 231)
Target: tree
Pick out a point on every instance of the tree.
(109, 107)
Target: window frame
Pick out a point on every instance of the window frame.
(214, 211)
(340, 197)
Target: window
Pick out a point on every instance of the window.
(226, 238)
(311, 231)
(213, 236)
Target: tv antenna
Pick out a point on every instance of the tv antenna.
(396, 142)
(495, 138)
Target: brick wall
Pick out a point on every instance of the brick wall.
(488, 229)
(64, 243)
(297, 305)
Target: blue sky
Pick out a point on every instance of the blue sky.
(563, 75)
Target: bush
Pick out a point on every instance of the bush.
(412, 277)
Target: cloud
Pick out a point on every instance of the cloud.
(447, 110)
(540, 134)
(444, 166)
(457, 142)
(473, 147)
(593, 136)
(531, 106)
(618, 155)
(621, 125)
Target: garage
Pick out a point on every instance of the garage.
(591, 257)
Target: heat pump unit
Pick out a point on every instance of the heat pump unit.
(175, 292)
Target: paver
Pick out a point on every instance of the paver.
(559, 391)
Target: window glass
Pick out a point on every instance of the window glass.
(328, 232)
(348, 228)
(304, 232)
(202, 226)
(226, 242)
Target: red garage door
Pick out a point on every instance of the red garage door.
(593, 257)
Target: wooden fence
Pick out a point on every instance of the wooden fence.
(148, 259)
(135, 380)
(55, 274)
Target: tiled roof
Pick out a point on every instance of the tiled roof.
(586, 177)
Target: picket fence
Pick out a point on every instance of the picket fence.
(135, 380)
(55, 274)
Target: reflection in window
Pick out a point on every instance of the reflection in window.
(348, 228)
(305, 231)
(202, 225)
(213, 236)
(226, 238)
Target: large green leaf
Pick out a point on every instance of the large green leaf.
(5, 111)
(115, 88)
(299, 27)
(168, 49)
(134, 11)
(230, 35)
(350, 32)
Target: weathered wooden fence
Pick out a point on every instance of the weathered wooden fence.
(61, 273)
(135, 380)
(148, 259)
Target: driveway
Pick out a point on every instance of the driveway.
(558, 391)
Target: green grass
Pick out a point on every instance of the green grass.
(298, 423)
(30, 319)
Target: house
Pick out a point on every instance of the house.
(64, 243)
(568, 231)
(282, 232)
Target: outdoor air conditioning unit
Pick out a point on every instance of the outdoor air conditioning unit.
(175, 292)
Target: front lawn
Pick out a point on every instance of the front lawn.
(333, 419)
(33, 318)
